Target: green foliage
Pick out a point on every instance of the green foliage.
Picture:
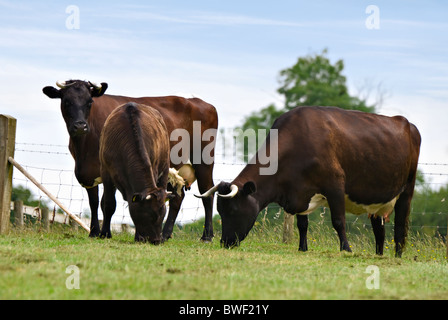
(197, 227)
(24, 194)
(314, 81)
(29, 199)
(430, 209)
(262, 119)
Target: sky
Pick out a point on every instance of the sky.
(228, 53)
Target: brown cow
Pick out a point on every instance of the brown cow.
(347, 160)
(135, 159)
(85, 108)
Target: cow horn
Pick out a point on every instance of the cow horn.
(233, 192)
(61, 84)
(95, 85)
(207, 194)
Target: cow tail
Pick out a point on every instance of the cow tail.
(134, 114)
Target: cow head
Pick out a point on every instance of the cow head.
(147, 213)
(238, 210)
(76, 102)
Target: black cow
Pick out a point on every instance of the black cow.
(346, 160)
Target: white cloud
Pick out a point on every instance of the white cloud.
(193, 17)
(13, 5)
(412, 24)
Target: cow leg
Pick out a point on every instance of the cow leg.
(108, 205)
(205, 182)
(93, 203)
(336, 202)
(402, 210)
(379, 232)
(175, 204)
(302, 225)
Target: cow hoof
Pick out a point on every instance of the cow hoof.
(107, 235)
(94, 234)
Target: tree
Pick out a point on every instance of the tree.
(312, 81)
(262, 119)
(257, 120)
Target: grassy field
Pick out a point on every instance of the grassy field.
(34, 264)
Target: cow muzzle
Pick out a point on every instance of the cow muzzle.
(229, 244)
(79, 128)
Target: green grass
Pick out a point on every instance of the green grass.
(33, 266)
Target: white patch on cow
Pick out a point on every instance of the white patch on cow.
(317, 201)
(176, 180)
(378, 209)
(96, 182)
(184, 177)
(187, 172)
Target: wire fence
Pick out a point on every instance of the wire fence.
(52, 165)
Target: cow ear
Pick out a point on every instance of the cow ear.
(52, 92)
(98, 92)
(249, 188)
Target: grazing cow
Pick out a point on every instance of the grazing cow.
(135, 159)
(346, 160)
(85, 108)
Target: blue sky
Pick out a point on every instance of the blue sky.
(227, 52)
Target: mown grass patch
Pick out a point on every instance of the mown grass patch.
(34, 264)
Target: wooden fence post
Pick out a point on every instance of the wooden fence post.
(288, 227)
(18, 213)
(45, 222)
(73, 224)
(125, 228)
(7, 146)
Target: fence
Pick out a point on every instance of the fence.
(60, 180)
(52, 166)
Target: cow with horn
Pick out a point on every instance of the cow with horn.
(346, 160)
(85, 108)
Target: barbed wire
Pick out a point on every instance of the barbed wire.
(44, 152)
(65, 186)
